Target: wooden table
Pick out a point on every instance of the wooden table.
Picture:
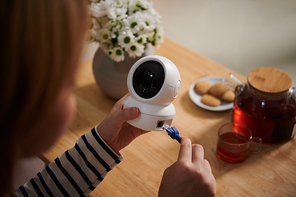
(272, 172)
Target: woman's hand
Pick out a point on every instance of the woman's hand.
(190, 175)
(114, 129)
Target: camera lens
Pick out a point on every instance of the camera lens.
(148, 79)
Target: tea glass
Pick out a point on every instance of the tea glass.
(234, 143)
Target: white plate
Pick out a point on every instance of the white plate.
(196, 97)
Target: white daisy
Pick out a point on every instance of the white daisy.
(150, 36)
(135, 22)
(144, 5)
(135, 50)
(104, 35)
(111, 13)
(120, 13)
(104, 7)
(131, 7)
(149, 22)
(120, 3)
(125, 39)
(138, 6)
(95, 10)
(91, 35)
(117, 54)
(157, 37)
(142, 39)
(157, 40)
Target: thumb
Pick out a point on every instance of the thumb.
(128, 114)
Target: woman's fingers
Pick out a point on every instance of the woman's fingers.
(185, 153)
(197, 154)
(128, 114)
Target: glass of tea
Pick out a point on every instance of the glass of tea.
(234, 143)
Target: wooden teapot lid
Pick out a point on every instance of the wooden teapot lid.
(270, 80)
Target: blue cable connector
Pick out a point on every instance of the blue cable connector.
(172, 132)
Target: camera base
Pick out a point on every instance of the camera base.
(152, 117)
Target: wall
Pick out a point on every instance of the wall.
(239, 34)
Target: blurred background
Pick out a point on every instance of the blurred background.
(238, 34)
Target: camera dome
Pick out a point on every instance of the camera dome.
(148, 79)
(154, 80)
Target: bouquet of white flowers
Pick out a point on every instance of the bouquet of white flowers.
(124, 25)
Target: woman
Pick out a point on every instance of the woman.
(41, 42)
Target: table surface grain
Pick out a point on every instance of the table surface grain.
(272, 172)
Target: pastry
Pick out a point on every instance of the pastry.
(210, 100)
(202, 87)
(228, 96)
(218, 90)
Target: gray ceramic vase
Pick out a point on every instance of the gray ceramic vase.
(111, 76)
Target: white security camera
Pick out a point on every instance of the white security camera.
(153, 82)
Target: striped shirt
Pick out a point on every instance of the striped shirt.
(76, 172)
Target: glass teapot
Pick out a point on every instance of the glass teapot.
(266, 104)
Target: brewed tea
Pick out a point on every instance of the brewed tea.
(272, 120)
(233, 147)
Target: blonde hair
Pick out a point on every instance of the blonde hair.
(41, 42)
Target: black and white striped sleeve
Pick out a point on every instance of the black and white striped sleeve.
(76, 172)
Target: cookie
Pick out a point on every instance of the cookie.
(210, 100)
(218, 90)
(202, 87)
(228, 96)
